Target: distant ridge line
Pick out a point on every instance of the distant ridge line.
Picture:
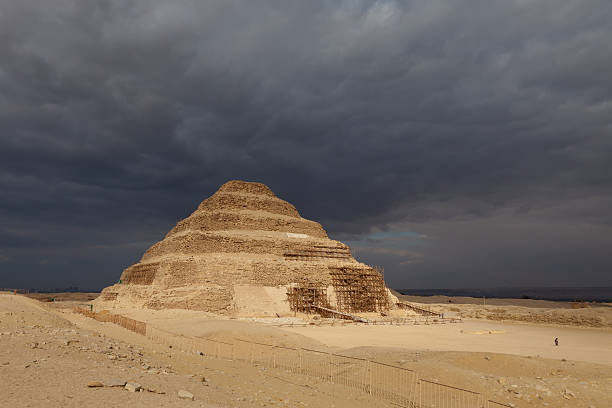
(565, 294)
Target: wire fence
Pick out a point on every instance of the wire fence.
(397, 385)
(493, 404)
(130, 324)
(434, 394)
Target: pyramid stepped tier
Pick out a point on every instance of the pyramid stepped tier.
(140, 273)
(247, 220)
(243, 241)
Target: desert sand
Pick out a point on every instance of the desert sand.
(49, 354)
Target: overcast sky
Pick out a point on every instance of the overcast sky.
(458, 144)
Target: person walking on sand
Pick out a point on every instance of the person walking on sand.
(556, 341)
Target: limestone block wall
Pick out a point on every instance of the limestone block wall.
(236, 202)
(246, 220)
(196, 242)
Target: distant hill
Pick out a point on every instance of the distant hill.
(590, 294)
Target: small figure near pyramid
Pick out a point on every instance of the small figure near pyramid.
(244, 251)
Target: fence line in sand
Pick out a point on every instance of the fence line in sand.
(397, 385)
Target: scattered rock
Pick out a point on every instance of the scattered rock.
(567, 394)
(200, 378)
(185, 395)
(501, 380)
(154, 391)
(114, 383)
(95, 384)
(487, 358)
(133, 387)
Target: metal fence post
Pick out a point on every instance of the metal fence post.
(420, 398)
(369, 367)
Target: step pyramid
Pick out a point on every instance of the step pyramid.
(245, 251)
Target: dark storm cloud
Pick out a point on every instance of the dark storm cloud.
(117, 117)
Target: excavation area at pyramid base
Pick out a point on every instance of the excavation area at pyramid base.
(246, 253)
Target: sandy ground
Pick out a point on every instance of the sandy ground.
(47, 360)
(511, 361)
(576, 344)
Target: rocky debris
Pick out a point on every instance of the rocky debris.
(133, 387)
(115, 383)
(154, 390)
(185, 395)
(94, 384)
(567, 394)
